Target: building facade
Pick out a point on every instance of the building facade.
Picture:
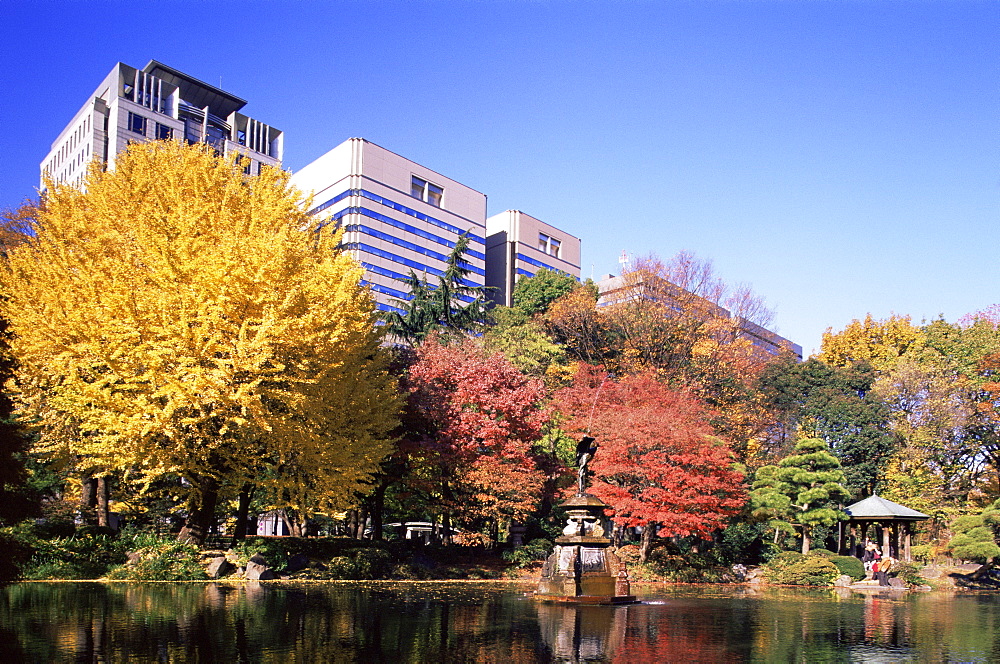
(157, 102)
(620, 289)
(398, 217)
(519, 245)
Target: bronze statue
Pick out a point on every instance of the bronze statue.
(585, 451)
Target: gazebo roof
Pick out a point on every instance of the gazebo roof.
(875, 508)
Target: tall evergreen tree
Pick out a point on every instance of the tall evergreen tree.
(453, 305)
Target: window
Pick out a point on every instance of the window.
(137, 123)
(548, 245)
(163, 132)
(426, 191)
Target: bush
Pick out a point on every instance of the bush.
(909, 573)
(366, 563)
(792, 568)
(76, 557)
(924, 552)
(850, 566)
(825, 553)
(167, 560)
(532, 552)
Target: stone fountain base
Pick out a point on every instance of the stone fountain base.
(582, 569)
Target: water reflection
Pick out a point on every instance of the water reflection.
(483, 622)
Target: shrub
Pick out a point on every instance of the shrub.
(167, 560)
(532, 552)
(792, 568)
(850, 566)
(825, 553)
(83, 557)
(923, 552)
(363, 563)
(909, 573)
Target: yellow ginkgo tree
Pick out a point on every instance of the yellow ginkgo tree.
(190, 321)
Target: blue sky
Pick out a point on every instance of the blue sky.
(840, 157)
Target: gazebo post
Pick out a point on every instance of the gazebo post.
(885, 537)
(854, 540)
(906, 542)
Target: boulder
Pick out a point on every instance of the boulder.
(133, 558)
(258, 570)
(843, 581)
(896, 582)
(296, 563)
(219, 567)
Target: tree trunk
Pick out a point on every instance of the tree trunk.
(88, 500)
(201, 511)
(377, 507)
(646, 541)
(243, 513)
(103, 499)
(805, 540)
(446, 528)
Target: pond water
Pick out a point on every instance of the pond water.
(442, 622)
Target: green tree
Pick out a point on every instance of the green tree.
(838, 405)
(813, 481)
(452, 305)
(976, 537)
(180, 319)
(533, 295)
(769, 504)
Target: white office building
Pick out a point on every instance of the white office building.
(398, 216)
(157, 102)
(519, 245)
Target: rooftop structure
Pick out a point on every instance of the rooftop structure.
(519, 245)
(157, 102)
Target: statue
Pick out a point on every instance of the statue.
(585, 450)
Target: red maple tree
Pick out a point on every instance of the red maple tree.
(659, 465)
(471, 421)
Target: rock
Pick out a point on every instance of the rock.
(931, 572)
(925, 589)
(843, 581)
(896, 582)
(133, 558)
(296, 563)
(219, 567)
(258, 570)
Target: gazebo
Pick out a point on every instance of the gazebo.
(892, 519)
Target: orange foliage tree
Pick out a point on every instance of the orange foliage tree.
(471, 422)
(660, 465)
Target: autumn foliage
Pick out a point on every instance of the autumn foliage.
(659, 463)
(179, 318)
(472, 419)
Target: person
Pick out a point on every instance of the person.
(883, 566)
(868, 556)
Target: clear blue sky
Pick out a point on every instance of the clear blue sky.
(840, 157)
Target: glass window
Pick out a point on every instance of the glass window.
(417, 187)
(554, 247)
(543, 243)
(425, 191)
(163, 132)
(137, 123)
(434, 194)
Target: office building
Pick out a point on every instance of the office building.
(634, 286)
(519, 245)
(398, 216)
(157, 102)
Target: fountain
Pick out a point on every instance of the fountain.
(582, 569)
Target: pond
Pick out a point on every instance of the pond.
(484, 622)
